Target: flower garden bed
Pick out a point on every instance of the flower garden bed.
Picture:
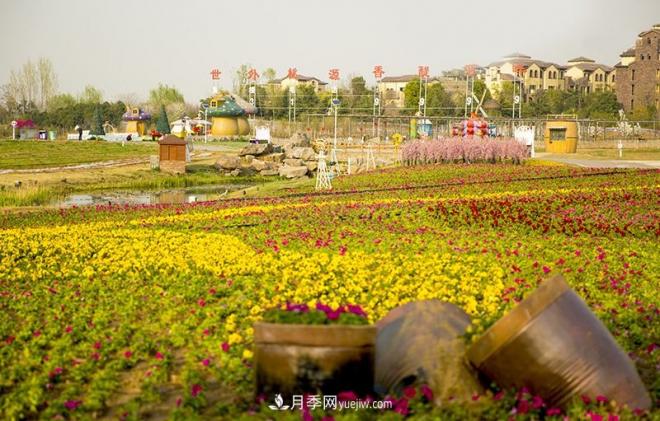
(148, 311)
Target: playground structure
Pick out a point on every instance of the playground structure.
(135, 119)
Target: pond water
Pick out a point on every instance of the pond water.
(148, 197)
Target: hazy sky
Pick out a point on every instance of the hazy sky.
(126, 46)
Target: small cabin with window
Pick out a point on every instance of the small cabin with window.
(173, 154)
(561, 135)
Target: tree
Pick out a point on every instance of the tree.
(163, 124)
(90, 95)
(97, 128)
(164, 95)
(61, 101)
(240, 80)
(361, 98)
(438, 102)
(30, 87)
(269, 74)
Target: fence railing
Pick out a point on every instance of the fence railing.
(358, 126)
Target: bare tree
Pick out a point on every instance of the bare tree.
(31, 86)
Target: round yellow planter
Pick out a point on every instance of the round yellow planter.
(224, 126)
(561, 136)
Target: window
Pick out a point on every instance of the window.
(632, 89)
(632, 104)
(214, 104)
(641, 56)
(632, 75)
(613, 76)
(558, 134)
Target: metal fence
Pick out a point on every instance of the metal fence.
(358, 126)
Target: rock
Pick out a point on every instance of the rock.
(258, 165)
(269, 172)
(256, 149)
(292, 172)
(421, 343)
(246, 160)
(293, 162)
(305, 154)
(235, 172)
(312, 165)
(288, 152)
(274, 157)
(299, 139)
(227, 163)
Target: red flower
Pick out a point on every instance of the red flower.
(128, 354)
(195, 390)
(225, 347)
(401, 407)
(475, 397)
(346, 396)
(97, 345)
(201, 302)
(426, 392)
(158, 355)
(546, 269)
(68, 329)
(601, 399)
(523, 407)
(499, 395)
(409, 392)
(206, 362)
(10, 340)
(537, 402)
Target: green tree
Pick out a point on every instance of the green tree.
(163, 124)
(164, 95)
(97, 127)
(90, 95)
(361, 97)
(269, 74)
(61, 101)
(600, 105)
(438, 102)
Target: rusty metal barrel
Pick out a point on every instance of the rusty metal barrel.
(293, 359)
(421, 343)
(554, 345)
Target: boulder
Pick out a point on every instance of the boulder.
(305, 154)
(235, 172)
(273, 157)
(269, 172)
(299, 139)
(293, 162)
(256, 149)
(246, 160)
(312, 165)
(293, 172)
(227, 163)
(258, 165)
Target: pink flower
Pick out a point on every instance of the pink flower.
(537, 402)
(499, 395)
(72, 404)
(307, 415)
(546, 269)
(553, 411)
(613, 417)
(195, 390)
(601, 399)
(178, 402)
(357, 310)
(342, 250)
(225, 347)
(426, 392)
(346, 396)
(158, 355)
(523, 407)
(68, 329)
(475, 397)
(401, 407)
(594, 416)
(586, 400)
(212, 291)
(97, 345)
(206, 362)
(36, 333)
(201, 302)
(128, 354)
(96, 356)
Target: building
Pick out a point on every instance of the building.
(301, 80)
(391, 88)
(588, 76)
(534, 74)
(638, 73)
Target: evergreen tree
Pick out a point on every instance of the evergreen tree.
(163, 124)
(97, 128)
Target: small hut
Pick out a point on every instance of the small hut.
(135, 120)
(228, 118)
(561, 134)
(173, 154)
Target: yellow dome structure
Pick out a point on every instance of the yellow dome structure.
(228, 119)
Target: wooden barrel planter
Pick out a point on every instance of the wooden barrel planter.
(554, 345)
(293, 359)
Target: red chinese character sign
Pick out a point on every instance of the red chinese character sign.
(215, 74)
(471, 70)
(292, 73)
(423, 71)
(253, 75)
(333, 74)
(378, 71)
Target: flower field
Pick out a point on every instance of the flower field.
(138, 312)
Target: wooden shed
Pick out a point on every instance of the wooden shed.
(172, 154)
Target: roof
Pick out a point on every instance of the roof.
(403, 78)
(630, 52)
(301, 78)
(581, 59)
(590, 67)
(527, 62)
(656, 28)
(517, 55)
(171, 140)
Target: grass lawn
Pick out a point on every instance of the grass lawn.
(26, 154)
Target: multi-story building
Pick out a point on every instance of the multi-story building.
(638, 73)
(588, 76)
(533, 74)
(391, 88)
(300, 80)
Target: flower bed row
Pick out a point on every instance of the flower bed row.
(468, 150)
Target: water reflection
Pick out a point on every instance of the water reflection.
(169, 196)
